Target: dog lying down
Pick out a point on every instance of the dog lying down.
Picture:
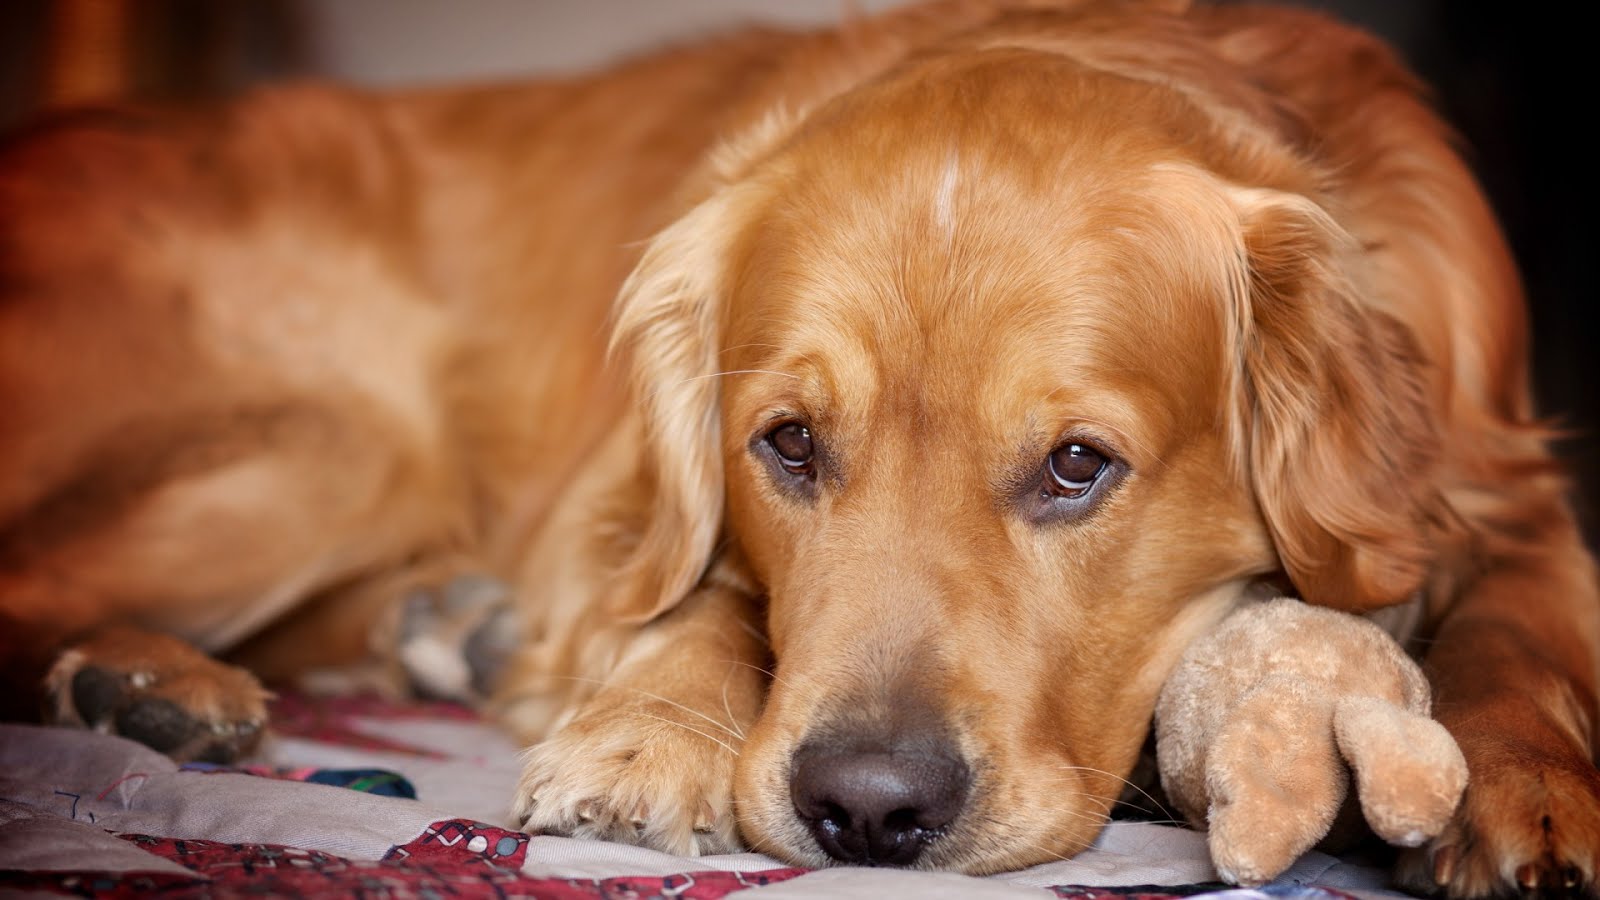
(984, 355)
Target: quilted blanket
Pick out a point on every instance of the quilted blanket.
(360, 798)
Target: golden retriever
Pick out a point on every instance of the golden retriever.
(984, 355)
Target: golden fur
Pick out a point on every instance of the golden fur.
(321, 341)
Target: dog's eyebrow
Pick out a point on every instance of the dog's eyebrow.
(1112, 431)
(719, 375)
(741, 372)
(745, 346)
(1115, 432)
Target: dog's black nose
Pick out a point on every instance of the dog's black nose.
(877, 808)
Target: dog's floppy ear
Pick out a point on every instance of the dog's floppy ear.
(1336, 425)
(667, 330)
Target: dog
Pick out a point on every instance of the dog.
(967, 362)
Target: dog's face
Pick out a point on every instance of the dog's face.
(979, 371)
(976, 459)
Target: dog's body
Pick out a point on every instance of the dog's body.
(982, 360)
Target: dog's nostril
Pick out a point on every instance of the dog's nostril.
(877, 808)
(835, 817)
(901, 820)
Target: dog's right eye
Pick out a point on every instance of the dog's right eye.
(791, 444)
(1074, 468)
(1076, 476)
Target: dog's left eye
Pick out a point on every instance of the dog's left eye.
(1074, 468)
(791, 444)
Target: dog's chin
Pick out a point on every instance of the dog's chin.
(1054, 825)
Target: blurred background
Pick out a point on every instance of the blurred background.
(1503, 75)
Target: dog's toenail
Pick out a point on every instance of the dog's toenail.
(1444, 865)
(588, 810)
(1571, 877)
(141, 680)
(640, 815)
(1528, 876)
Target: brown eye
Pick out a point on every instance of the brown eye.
(1074, 468)
(792, 445)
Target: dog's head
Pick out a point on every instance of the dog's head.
(1003, 373)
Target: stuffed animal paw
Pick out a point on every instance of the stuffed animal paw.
(1265, 720)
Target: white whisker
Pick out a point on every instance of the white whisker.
(767, 672)
(692, 712)
(724, 744)
(1144, 793)
(753, 631)
(733, 720)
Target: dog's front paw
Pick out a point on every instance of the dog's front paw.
(637, 771)
(1527, 826)
(159, 691)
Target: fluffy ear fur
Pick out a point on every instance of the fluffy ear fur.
(667, 329)
(1338, 429)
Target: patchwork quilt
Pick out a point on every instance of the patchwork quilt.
(362, 798)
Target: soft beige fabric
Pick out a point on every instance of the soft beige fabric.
(56, 812)
(1265, 719)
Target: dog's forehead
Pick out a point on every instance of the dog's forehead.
(967, 262)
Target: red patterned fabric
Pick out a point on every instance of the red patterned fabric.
(335, 720)
(452, 858)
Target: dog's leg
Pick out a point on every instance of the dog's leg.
(649, 758)
(441, 627)
(1514, 670)
(438, 628)
(207, 553)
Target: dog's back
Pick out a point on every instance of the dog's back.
(255, 351)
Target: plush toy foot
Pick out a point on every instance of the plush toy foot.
(1261, 726)
(1409, 772)
(1274, 781)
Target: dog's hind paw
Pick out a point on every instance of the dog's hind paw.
(159, 691)
(455, 638)
(635, 771)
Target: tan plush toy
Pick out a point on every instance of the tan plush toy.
(1261, 726)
